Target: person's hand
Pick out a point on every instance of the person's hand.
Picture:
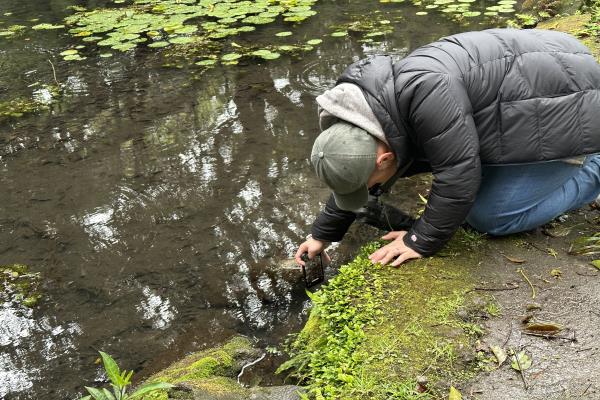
(396, 248)
(312, 247)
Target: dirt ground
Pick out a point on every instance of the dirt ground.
(566, 292)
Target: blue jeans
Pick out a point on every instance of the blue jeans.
(517, 198)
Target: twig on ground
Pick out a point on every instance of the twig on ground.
(508, 336)
(520, 270)
(570, 339)
(516, 356)
(54, 73)
(586, 389)
(584, 349)
(582, 274)
(494, 289)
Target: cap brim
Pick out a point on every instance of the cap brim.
(352, 201)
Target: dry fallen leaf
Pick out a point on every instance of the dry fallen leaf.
(544, 328)
(454, 394)
(556, 273)
(515, 260)
(552, 252)
(499, 353)
(523, 361)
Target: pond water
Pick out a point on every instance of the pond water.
(158, 203)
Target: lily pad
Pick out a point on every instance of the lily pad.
(339, 34)
(207, 62)
(92, 38)
(159, 44)
(314, 42)
(231, 56)
(73, 57)
(181, 40)
(187, 29)
(470, 14)
(283, 34)
(40, 27)
(421, 13)
(106, 55)
(69, 52)
(266, 54)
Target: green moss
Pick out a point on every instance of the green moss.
(18, 285)
(372, 329)
(211, 371)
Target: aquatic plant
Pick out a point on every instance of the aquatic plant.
(199, 23)
(41, 100)
(119, 382)
(465, 9)
(18, 285)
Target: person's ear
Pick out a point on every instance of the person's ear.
(385, 160)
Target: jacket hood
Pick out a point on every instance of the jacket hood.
(346, 102)
(375, 76)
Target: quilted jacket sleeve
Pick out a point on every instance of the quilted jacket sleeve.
(332, 223)
(441, 117)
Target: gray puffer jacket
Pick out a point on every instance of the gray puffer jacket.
(499, 96)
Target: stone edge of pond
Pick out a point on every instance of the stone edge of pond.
(211, 374)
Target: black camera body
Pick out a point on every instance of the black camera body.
(313, 270)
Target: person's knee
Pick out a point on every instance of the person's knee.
(488, 224)
(478, 222)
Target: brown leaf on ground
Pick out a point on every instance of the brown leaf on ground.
(546, 328)
(514, 259)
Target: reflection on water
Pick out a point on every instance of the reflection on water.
(36, 343)
(158, 204)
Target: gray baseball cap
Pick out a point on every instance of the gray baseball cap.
(344, 158)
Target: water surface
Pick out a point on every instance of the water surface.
(158, 203)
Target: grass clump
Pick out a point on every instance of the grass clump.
(373, 330)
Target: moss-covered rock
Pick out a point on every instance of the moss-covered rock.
(212, 375)
(18, 285)
(374, 330)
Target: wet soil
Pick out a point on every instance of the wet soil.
(566, 292)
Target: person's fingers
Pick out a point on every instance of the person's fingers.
(401, 258)
(377, 255)
(297, 257)
(326, 258)
(389, 256)
(391, 235)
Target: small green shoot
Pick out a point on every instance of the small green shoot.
(119, 380)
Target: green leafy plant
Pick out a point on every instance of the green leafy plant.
(119, 380)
